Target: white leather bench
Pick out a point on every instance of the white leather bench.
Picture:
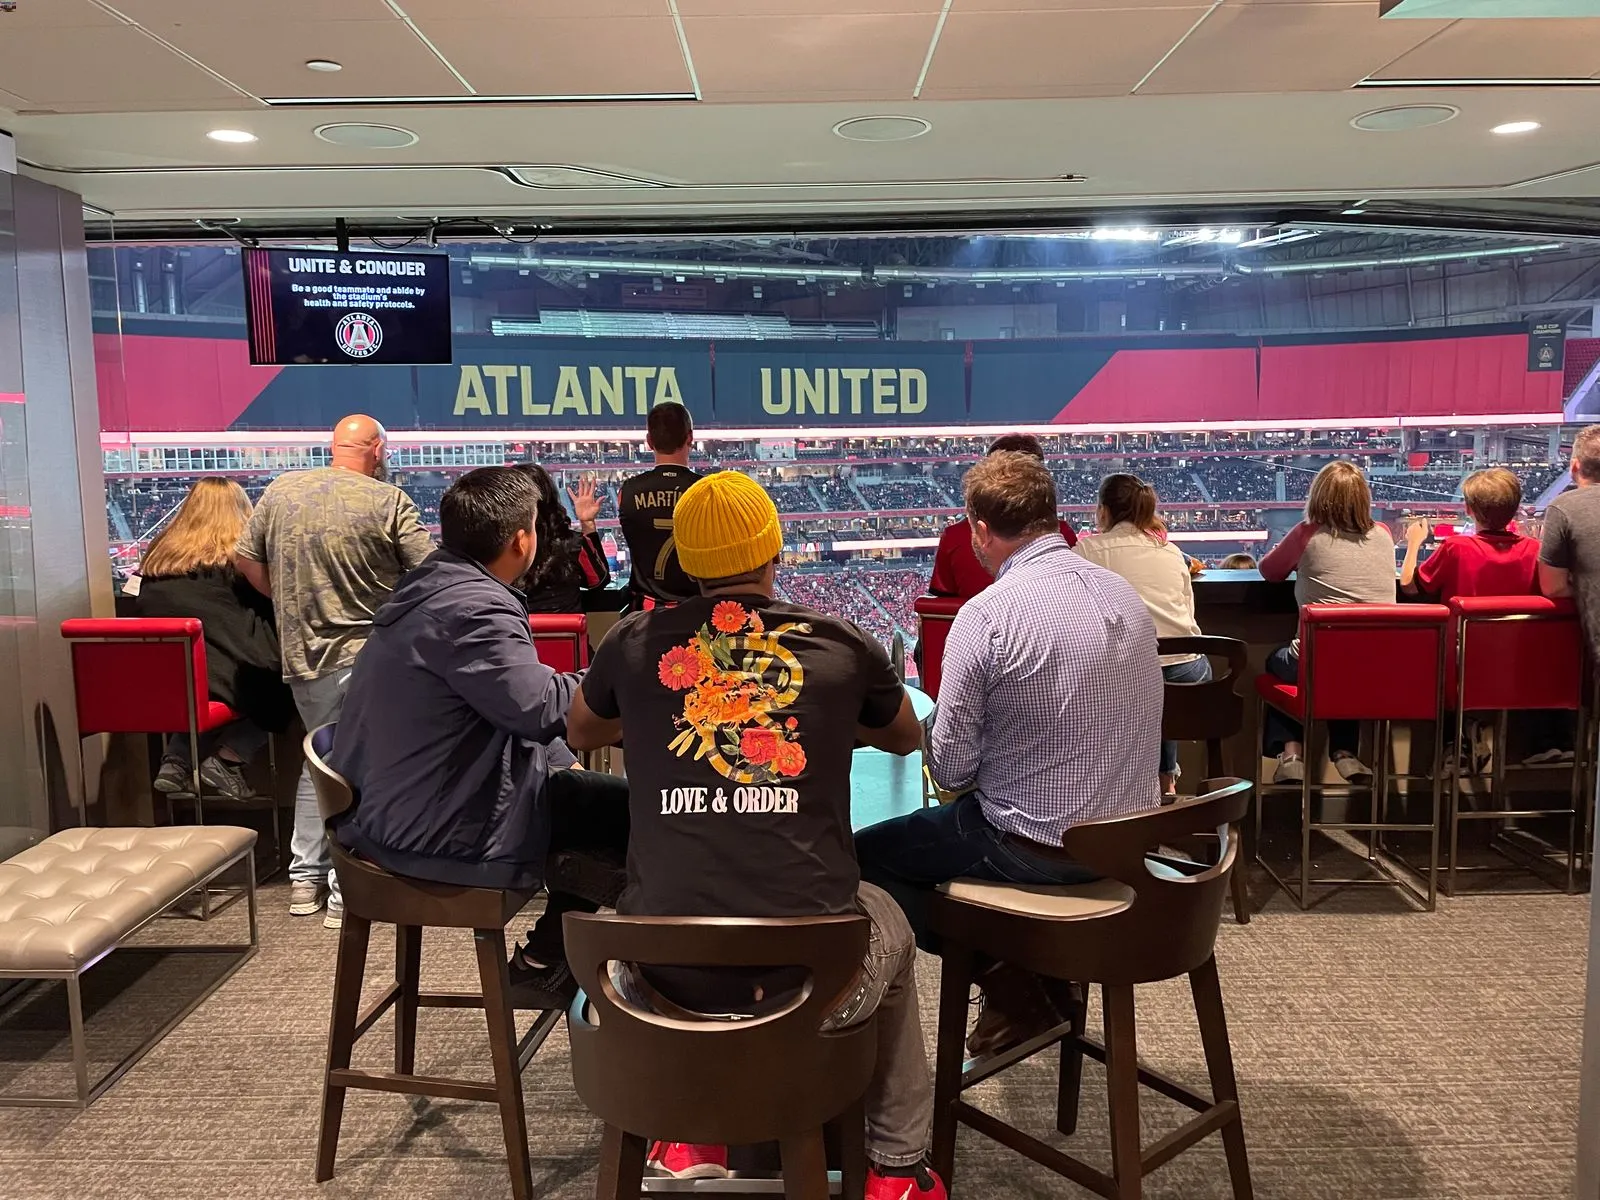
(77, 896)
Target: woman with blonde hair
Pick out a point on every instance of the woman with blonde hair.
(1132, 541)
(1338, 555)
(187, 571)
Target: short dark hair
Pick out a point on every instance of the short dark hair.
(1020, 443)
(669, 428)
(1011, 493)
(485, 509)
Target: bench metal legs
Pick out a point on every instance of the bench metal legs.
(87, 1091)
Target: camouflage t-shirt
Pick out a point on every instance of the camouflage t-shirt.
(335, 543)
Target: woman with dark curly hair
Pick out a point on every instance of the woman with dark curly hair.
(568, 561)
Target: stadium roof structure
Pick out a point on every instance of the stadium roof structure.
(786, 114)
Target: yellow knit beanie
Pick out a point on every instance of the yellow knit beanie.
(725, 525)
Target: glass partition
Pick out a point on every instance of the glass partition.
(858, 377)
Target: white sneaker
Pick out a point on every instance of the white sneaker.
(1543, 758)
(334, 919)
(1290, 769)
(306, 898)
(1352, 770)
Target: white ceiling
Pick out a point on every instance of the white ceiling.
(709, 107)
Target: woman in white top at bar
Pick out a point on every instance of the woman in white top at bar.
(1132, 541)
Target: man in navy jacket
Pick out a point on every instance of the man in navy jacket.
(451, 729)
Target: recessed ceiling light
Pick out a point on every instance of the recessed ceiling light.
(1405, 116)
(1516, 127)
(363, 136)
(324, 64)
(882, 129)
(237, 136)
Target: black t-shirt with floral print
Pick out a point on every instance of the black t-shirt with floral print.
(738, 717)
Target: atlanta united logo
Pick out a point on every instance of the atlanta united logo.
(359, 335)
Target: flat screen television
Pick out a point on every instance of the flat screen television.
(346, 307)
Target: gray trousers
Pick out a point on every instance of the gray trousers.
(310, 860)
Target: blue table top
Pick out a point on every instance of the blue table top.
(884, 785)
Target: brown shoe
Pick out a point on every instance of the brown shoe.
(1015, 1007)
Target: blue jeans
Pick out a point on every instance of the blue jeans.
(1343, 736)
(310, 860)
(909, 856)
(1197, 671)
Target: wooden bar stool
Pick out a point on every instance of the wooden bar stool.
(680, 1076)
(1209, 712)
(1131, 927)
(373, 894)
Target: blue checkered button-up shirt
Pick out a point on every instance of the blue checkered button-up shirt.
(1050, 701)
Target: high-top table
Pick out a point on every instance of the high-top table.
(884, 785)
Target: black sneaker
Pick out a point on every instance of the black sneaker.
(541, 987)
(225, 779)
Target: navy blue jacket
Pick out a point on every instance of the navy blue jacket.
(446, 732)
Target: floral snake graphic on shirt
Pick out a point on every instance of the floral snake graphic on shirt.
(738, 678)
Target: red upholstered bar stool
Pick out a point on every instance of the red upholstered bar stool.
(935, 614)
(148, 675)
(561, 640)
(1362, 662)
(1518, 653)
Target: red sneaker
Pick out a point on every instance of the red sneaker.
(925, 1184)
(684, 1161)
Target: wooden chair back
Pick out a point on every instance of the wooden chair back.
(1209, 712)
(685, 1077)
(1165, 927)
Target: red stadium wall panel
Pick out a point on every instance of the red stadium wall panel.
(1159, 385)
(155, 384)
(1456, 376)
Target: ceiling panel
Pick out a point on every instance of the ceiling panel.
(1286, 47)
(1500, 49)
(1066, 53)
(159, 14)
(806, 8)
(564, 56)
(868, 56)
(112, 67)
(381, 58)
(523, 11)
(997, 6)
(56, 14)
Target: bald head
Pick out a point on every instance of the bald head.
(359, 444)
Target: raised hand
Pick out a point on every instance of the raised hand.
(1417, 532)
(585, 503)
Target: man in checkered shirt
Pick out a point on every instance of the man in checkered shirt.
(1049, 714)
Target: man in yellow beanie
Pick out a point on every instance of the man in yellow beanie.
(741, 712)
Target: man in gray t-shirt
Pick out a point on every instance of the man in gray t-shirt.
(328, 545)
(1569, 554)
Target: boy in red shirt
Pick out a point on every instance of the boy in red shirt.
(1494, 561)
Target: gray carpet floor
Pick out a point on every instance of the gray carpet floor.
(1381, 1053)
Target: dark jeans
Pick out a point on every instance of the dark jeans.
(1197, 671)
(909, 856)
(588, 811)
(1343, 736)
(244, 739)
